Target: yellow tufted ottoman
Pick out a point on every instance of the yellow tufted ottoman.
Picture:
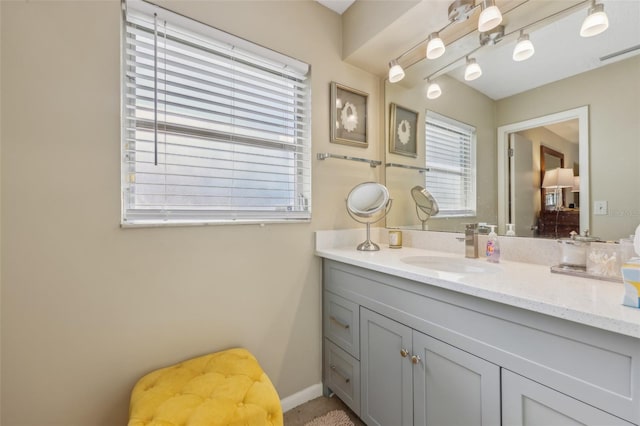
(223, 388)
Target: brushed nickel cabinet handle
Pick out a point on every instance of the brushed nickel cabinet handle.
(345, 326)
(344, 377)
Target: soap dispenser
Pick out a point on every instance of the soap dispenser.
(510, 230)
(493, 246)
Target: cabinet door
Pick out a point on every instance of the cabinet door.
(453, 387)
(528, 403)
(385, 372)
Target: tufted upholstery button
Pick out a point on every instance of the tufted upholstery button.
(227, 387)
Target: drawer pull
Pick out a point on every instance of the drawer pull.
(345, 326)
(415, 359)
(344, 377)
(404, 353)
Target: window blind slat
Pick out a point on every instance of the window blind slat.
(271, 89)
(140, 12)
(233, 137)
(182, 56)
(216, 100)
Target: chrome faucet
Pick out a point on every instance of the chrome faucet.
(471, 240)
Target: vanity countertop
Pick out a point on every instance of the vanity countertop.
(533, 287)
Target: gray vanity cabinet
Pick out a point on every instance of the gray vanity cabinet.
(527, 403)
(409, 378)
(401, 352)
(386, 375)
(452, 387)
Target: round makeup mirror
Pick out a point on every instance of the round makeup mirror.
(368, 203)
(425, 203)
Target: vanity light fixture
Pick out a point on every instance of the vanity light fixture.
(396, 73)
(524, 48)
(490, 17)
(435, 46)
(433, 90)
(596, 21)
(491, 32)
(473, 70)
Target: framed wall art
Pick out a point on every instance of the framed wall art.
(348, 116)
(403, 128)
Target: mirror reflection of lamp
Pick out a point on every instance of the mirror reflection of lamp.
(557, 179)
(576, 184)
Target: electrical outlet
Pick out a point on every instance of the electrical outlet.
(600, 208)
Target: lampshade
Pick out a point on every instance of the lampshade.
(524, 48)
(596, 21)
(396, 73)
(435, 46)
(490, 17)
(558, 178)
(576, 184)
(433, 91)
(473, 70)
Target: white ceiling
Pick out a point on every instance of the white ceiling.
(338, 6)
(560, 51)
(568, 130)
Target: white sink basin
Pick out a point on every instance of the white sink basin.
(452, 264)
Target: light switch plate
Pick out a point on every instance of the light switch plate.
(600, 208)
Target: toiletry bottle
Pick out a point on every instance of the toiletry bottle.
(493, 246)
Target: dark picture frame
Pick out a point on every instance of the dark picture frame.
(348, 116)
(403, 129)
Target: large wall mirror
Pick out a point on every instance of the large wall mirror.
(577, 97)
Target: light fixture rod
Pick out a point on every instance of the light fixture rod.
(564, 11)
(420, 43)
(553, 15)
(444, 69)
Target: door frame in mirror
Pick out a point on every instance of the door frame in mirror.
(545, 150)
(580, 113)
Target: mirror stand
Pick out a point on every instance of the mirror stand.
(368, 245)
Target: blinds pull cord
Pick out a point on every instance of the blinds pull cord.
(155, 89)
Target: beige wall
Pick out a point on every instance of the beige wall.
(613, 96)
(477, 110)
(88, 307)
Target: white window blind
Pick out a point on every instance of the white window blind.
(215, 129)
(451, 163)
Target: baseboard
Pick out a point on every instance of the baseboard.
(301, 397)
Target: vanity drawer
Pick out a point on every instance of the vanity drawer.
(342, 375)
(342, 323)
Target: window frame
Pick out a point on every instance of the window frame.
(470, 195)
(299, 173)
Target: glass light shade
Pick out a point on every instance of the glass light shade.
(596, 21)
(396, 73)
(490, 17)
(435, 46)
(433, 91)
(472, 71)
(524, 49)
